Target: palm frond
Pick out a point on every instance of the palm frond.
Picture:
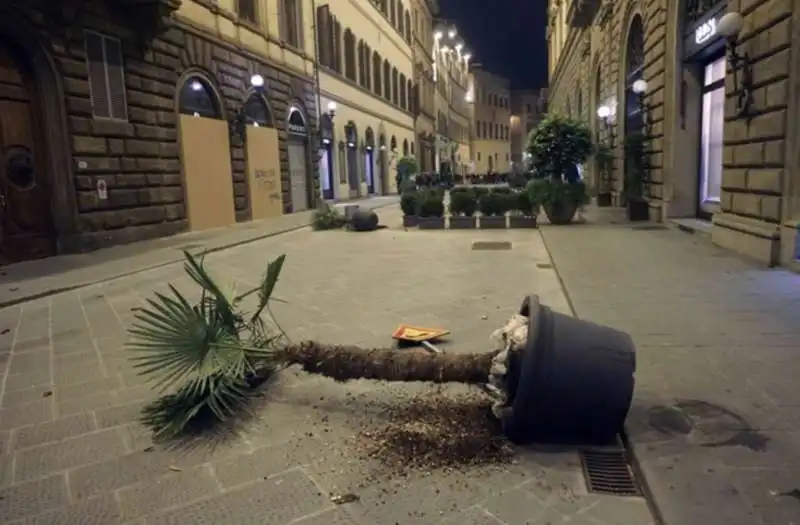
(268, 283)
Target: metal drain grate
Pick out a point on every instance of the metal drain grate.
(608, 472)
(649, 227)
(491, 245)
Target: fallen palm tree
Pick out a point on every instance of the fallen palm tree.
(208, 358)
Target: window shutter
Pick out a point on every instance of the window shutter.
(97, 75)
(116, 79)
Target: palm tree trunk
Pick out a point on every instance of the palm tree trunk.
(344, 363)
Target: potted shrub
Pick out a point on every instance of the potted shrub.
(524, 210)
(556, 147)
(463, 204)
(431, 209)
(409, 203)
(493, 207)
(636, 178)
(406, 168)
(604, 164)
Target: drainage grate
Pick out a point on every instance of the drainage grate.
(608, 472)
(491, 245)
(650, 227)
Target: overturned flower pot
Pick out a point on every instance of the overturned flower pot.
(569, 381)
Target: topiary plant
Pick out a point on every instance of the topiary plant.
(406, 167)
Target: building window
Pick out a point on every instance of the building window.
(247, 10)
(290, 19)
(106, 76)
(349, 55)
(376, 73)
(395, 90)
(387, 80)
(403, 94)
(362, 74)
(325, 36)
(336, 47)
(392, 13)
(408, 27)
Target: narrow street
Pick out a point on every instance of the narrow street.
(72, 451)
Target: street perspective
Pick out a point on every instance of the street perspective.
(399, 262)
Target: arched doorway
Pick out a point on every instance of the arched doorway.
(204, 137)
(384, 163)
(634, 70)
(26, 222)
(373, 186)
(326, 157)
(262, 158)
(297, 147)
(353, 179)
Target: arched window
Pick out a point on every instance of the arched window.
(412, 102)
(412, 148)
(395, 90)
(403, 95)
(256, 112)
(405, 147)
(198, 98)
(387, 80)
(634, 70)
(361, 62)
(401, 24)
(393, 12)
(376, 73)
(349, 55)
(407, 18)
(337, 47)
(367, 68)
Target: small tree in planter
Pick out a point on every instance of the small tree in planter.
(557, 146)
(409, 203)
(636, 178)
(406, 168)
(604, 163)
(463, 204)
(524, 210)
(494, 206)
(431, 209)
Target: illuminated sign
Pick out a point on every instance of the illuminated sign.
(705, 31)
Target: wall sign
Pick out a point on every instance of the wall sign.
(701, 39)
(296, 123)
(705, 31)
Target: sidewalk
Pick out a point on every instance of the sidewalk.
(716, 419)
(30, 280)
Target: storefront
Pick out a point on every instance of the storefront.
(704, 64)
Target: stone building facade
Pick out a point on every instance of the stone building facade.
(90, 96)
(491, 144)
(423, 15)
(722, 135)
(367, 89)
(528, 106)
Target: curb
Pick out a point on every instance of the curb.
(638, 471)
(223, 247)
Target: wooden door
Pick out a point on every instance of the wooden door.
(26, 230)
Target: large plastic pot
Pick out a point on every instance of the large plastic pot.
(573, 381)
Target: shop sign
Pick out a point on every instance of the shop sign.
(702, 37)
(705, 31)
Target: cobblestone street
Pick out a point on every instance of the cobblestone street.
(72, 451)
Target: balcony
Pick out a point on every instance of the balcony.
(581, 13)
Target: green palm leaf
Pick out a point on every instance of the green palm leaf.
(268, 284)
(202, 353)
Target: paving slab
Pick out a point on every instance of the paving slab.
(73, 451)
(716, 417)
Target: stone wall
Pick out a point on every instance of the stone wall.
(755, 153)
(139, 159)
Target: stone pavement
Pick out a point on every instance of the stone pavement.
(716, 418)
(33, 279)
(72, 452)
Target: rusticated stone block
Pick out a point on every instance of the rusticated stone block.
(89, 145)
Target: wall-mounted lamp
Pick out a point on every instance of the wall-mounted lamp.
(332, 109)
(438, 35)
(729, 26)
(639, 89)
(604, 114)
(237, 124)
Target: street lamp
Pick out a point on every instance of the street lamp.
(332, 109)
(604, 113)
(730, 26)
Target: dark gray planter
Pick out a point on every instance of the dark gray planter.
(410, 221)
(431, 223)
(364, 221)
(493, 223)
(459, 222)
(518, 221)
(587, 367)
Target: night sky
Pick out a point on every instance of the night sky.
(506, 36)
